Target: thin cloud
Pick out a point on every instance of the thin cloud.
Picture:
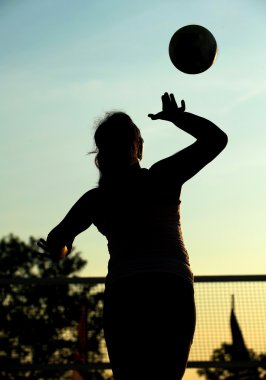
(254, 92)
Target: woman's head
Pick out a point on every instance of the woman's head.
(118, 143)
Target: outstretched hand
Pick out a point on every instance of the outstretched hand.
(54, 255)
(170, 110)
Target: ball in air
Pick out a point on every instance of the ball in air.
(192, 49)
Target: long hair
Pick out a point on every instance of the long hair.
(118, 144)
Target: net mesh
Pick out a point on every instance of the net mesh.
(33, 305)
(214, 303)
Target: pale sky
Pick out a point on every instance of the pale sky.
(63, 64)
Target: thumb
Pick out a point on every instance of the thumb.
(154, 117)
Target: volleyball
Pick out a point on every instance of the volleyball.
(192, 49)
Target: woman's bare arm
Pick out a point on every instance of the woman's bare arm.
(59, 241)
(210, 141)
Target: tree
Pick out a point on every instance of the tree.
(38, 323)
(225, 353)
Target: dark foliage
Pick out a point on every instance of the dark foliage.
(225, 353)
(39, 322)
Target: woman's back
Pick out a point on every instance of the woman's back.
(140, 218)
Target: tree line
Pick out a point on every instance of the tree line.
(45, 324)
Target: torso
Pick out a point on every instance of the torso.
(140, 218)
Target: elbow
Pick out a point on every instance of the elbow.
(219, 139)
(223, 139)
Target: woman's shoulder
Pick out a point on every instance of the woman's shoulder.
(164, 187)
(90, 196)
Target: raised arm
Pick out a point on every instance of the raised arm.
(210, 141)
(59, 241)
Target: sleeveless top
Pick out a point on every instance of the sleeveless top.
(140, 218)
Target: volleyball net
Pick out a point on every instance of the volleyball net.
(52, 327)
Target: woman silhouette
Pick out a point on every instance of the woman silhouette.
(149, 310)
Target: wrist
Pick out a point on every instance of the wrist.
(178, 118)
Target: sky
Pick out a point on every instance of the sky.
(63, 64)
